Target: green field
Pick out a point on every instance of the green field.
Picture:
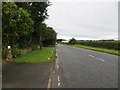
(110, 51)
(38, 56)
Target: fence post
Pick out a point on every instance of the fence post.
(9, 53)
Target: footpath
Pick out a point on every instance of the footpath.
(25, 75)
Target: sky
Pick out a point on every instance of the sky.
(84, 19)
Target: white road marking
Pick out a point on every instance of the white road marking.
(100, 59)
(57, 66)
(58, 84)
(91, 56)
(58, 78)
(49, 83)
(96, 58)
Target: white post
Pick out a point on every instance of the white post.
(9, 53)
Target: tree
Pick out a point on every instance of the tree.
(39, 14)
(72, 41)
(23, 27)
(49, 36)
(16, 23)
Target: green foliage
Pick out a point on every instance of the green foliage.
(34, 46)
(110, 51)
(22, 24)
(49, 36)
(38, 56)
(16, 23)
(15, 51)
(102, 44)
(4, 51)
(72, 41)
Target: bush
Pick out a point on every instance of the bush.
(102, 44)
(72, 41)
(4, 51)
(34, 46)
(15, 51)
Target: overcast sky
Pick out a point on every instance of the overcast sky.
(84, 19)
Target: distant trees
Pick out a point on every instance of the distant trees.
(72, 41)
(102, 44)
(49, 37)
(109, 44)
(23, 27)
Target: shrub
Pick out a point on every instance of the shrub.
(15, 51)
(4, 51)
(102, 44)
(34, 46)
(72, 41)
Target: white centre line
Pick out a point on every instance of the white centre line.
(100, 59)
(91, 56)
(96, 58)
(57, 66)
(58, 84)
(58, 78)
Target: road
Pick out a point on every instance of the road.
(82, 68)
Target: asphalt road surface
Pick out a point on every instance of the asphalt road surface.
(82, 68)
(25, 75)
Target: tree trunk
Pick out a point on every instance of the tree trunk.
(40, 40)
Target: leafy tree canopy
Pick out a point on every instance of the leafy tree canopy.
(72, 41)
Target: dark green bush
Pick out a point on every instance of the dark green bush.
(72, 41)
(15, 51)
(102, 44)
(34, 46)
(4, 51)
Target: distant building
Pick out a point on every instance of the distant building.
(62, 40)
(65, 41)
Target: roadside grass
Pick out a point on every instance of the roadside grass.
(110, 51)
(38, 56)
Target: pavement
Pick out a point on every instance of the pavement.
(82, 68)
(25, 75)
(0, 75)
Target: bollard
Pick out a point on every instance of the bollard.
(9, 53)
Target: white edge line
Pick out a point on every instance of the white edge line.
(57, 66)
(100, 59)
(58, 84)
(58, 78)
(91, 55)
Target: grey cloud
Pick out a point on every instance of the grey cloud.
(84, 19)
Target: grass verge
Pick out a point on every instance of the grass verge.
(38, 56)
(110, 51)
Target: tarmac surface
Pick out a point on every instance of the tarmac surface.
(82, 68)
(25, 75)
